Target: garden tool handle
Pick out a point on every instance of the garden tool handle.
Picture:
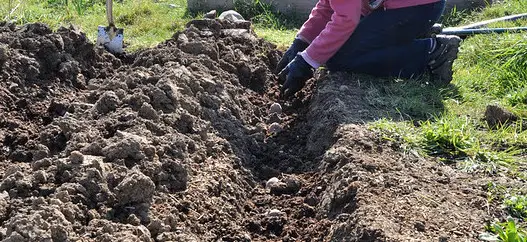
(109, 12)
(375, 4)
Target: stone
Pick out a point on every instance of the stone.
(210, 15)
(231, 15)
(275, 213)
(275, 108)
(274, 129)
(273, 182)
(289, 185)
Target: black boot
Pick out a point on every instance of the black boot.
(442, 58)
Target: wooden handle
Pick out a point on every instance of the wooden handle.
(109, 12)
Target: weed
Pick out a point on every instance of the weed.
(454, 18)
(506, 232)
(409, 137)
(496, 192)
(499, 60)
(451, 137)
(517, 206)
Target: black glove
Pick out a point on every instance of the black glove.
(295, 74)
(297, 46)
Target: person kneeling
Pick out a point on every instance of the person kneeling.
(382, 41)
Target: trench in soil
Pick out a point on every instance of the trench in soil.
(172, 144)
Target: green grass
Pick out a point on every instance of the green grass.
(491, 69)
(282, 38)
(507, 7)
(508, 231)
(517, 205)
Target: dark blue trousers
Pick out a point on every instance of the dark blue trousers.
(385, 43)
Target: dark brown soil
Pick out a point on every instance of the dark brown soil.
(172, 144)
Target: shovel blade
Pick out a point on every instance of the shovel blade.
(111, 38)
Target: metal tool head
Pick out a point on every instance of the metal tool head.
(111, 38)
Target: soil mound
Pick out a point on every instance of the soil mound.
(172, 144)
(148, 146)
(374, 192)
(39, 70)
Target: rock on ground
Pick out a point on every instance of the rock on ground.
(496, 115)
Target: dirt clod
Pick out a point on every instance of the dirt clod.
(496, 115)
(3, 54)
(76, 157)
(148, 112)
(107, 103)
(127, 148)
(135, 188)
(420, 226)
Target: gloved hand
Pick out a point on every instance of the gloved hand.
(296, 73)
(297, 46)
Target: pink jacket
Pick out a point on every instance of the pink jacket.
(332, 22)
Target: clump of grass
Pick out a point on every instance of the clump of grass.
(517, 205)
(500, 61)
(80, 6)
(506, 232)
(409, 137)
(266, 15)
(454, 17)
(451, 137)
(412, 99)
(456, 139)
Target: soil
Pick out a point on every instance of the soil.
(172, 144)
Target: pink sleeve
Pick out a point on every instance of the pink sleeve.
(319, 17)
(344, 20)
